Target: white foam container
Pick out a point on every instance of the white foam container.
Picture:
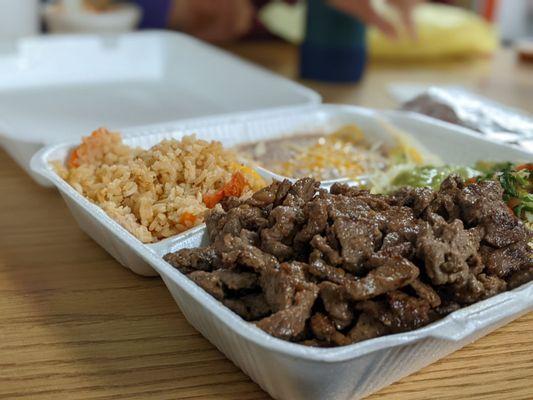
(61, 87)
(287, 370)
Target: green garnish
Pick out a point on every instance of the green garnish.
(517, 184)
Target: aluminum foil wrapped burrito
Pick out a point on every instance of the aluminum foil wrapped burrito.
(494, 120)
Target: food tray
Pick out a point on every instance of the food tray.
(230, 130)
(287, 370)
(296, 372)
(453, 144)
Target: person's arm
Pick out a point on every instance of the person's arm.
(224, 20)
(213, 21)
(364, 10)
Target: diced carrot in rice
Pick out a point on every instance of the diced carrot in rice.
(187, 219)
(234, 187)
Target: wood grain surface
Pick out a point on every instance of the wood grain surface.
(74, 324)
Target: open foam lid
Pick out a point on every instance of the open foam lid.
(59, 87)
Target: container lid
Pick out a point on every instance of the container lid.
(60, 87)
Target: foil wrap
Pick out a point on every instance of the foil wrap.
(458, 106)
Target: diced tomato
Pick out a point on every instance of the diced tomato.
(471, 180)
(528, 166)
(513, 202)
(187, 219)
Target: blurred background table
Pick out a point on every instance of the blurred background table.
(501, 78)
(75, 324)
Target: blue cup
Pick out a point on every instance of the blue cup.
(155, 13)
(334, 48)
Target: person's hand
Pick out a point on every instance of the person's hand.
(364, 10)
(213, 21)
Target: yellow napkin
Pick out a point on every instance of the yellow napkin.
(443, 32)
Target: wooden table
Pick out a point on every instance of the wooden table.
(75, 324)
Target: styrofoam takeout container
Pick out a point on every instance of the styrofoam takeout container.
(287, 370)
(62, 87)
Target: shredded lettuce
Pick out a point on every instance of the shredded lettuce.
(516, 181)
(517, 184)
